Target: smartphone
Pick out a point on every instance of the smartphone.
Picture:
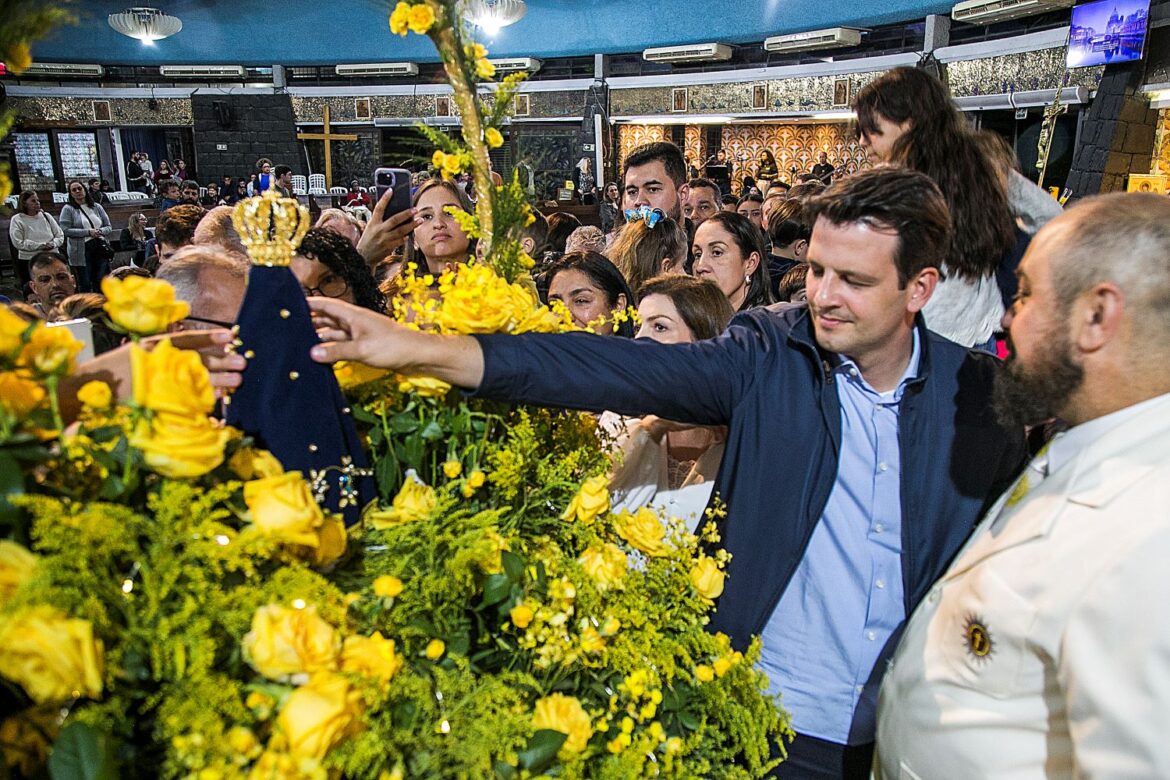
(399, 179)
(82, 330)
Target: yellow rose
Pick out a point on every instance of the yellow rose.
(400, 19)
(331, 542)
(283, 508)
(606, 564)
(371, 656)
(435, 649)
(476, 479)
(704, 673)
(477, 51)
(95, 394)
(476, 300)
(421, 18)
(643, 530)
(610, 626)
(142, 306)
(485, 70)
(285, 641)
(18, 58)
(452, 468)
(722, 665)
(19, 396)
(707, 578)
(426, 386)
(521, 615)
(16, 568)
(415, 501)
(179, 446)
(493, 138)
(387, 586)
(49, 351)
(168, 379)
(566, 715)
(319, 715)
(252, 463)
(591, 500)
(243, 741)
(437, 158)
(52, 656)
(351, 373)
(12, 329)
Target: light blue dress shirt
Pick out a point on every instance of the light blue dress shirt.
(845, 600)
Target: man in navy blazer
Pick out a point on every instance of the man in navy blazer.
(861, 447)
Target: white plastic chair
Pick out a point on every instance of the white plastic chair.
(202, 192)
(119, 196)
(300, 185)
(60, 197)
(338, 190)
(317, 184)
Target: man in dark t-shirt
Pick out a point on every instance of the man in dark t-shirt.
(822, 170)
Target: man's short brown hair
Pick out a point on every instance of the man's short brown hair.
(177, 226)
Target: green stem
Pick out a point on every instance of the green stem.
(55, 403)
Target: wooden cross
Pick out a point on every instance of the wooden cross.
(326, 136)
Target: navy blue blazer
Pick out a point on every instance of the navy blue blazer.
(766, 379)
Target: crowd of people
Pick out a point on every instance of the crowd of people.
(821, 357)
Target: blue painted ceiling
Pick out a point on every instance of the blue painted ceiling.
(304, 32)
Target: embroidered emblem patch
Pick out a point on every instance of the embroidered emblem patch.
(977, 638)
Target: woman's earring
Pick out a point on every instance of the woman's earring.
(747, 279)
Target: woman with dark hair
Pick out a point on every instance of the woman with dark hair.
(729, 250)
(767, 171)
(32, 230)
(327, 264)
(87, 227)
(611, 209)
(906, 117)
(593, 290)
(667, 465)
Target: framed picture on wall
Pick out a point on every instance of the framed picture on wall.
(523, 107)
(842, 93)
(443, 105)
(101, 111)
(678, 99)
(759, 96)
(1155, 182)
(361, 108)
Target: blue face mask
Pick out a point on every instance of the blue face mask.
(651, 216)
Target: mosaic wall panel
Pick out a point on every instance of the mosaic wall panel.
(1030, 70)
(631, 137)
(550, 151)
(813, 93)
(341, 109)
(696, 145)
(792, 145)
(123, 111)
(351, 159)
(1162, 144)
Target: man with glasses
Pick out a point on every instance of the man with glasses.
(51, 282)
(212, 282)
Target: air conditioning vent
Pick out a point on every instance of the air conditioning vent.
(378, 69)
(64, 69)
(832, 38)
(514, 64)
(202, 71)
(697, 52)
(990, 11)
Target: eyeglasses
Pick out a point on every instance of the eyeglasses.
(331, 287)
(205, 321)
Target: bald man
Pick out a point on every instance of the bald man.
(1044, 651)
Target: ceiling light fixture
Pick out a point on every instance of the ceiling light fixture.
(491, 15)
(146, 24)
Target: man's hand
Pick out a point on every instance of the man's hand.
(353, 333)
(383, 236)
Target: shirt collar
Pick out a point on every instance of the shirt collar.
(851, 373)
(1065, 446)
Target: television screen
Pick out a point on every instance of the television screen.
(1107, 31)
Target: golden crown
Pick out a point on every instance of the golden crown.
(271, 227)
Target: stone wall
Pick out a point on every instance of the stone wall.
(260, 126)
(1117, 137)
